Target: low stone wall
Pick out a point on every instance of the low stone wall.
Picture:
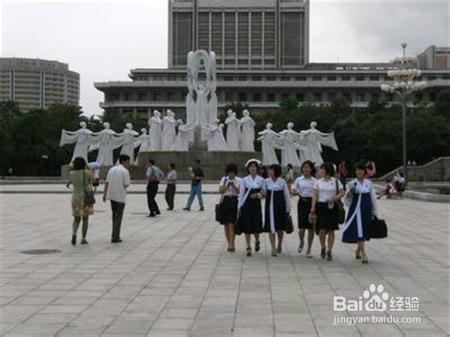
(436, 170)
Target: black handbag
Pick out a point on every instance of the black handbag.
(378, 229)
(340, 208)
(89, 196)
(289, 224)
(219, 212)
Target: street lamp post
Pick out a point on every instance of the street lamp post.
(404, 84)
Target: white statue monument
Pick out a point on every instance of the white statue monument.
(81, 138)
(314, 140)
(247, 132)
(142, 142)
(127, 141)
(154, 123)
(169, 132)
(184, 137)
(270, 141)
(105, 141)
(233, 132)
(216, 141)
(291, 140)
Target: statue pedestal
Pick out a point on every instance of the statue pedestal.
(198, 144)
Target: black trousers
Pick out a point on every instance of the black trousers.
(170, 195)
(117, 215)
(152, 190)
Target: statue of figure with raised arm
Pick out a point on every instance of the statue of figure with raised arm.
(184, 137)
(314, 140)
(247, 132)
(291, 140)
(169, 132)
(142, 142)
(270, 141)
(81, 138)
(216, 141)
(127, 140)
(154, 123)
(105, 141)
(233, 131)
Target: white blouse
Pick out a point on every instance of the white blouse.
(249, 183)
(327, 189)
(233, 188)
(366, 186)
(280, 185)
(304, 186)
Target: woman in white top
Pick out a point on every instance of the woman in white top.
(278, 207)
(229, 188)
(328, 191)
(363, 207)
(303, 187)
(251, 192)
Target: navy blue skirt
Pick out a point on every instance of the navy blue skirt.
(250, 218)
(354, 230)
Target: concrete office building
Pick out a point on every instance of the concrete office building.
(262, 49)
(37, 84)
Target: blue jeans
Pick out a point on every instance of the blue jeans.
(196, 190)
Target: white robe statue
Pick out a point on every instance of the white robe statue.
(143, 143)
(247, 132)
(155, 131)
(233, 134)
(184, 137)
(270, 141)
(169, 132)
(127, 140)
(290, 139)
(81, 138)
(216, 141)
(314, 140)
(105, 141)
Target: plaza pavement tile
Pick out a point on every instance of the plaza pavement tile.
(172, 275)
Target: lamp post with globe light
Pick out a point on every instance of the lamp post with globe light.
(404, 84)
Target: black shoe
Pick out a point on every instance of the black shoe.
(186, 209)
(74, 240)
(158, 212)
(84, 241)
(329, 256)
(257, 246)
(170, 209)
(202, 208)
(322, 253)
(151, 215)
(116, 241)
(249, 251)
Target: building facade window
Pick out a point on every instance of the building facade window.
(242, 97)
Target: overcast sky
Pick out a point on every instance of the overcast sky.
(103, 40)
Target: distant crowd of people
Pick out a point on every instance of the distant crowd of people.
(320, 208)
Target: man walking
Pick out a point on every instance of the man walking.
(153, 176)
(171, 179)
(197, 176)
(117, 182)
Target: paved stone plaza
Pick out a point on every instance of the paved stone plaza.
(172, 276)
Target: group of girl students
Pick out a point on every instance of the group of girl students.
(317, 207)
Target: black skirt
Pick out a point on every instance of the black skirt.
(279, 211)
(229, 209)
(303, 209)
(327, 218)
(250, 218)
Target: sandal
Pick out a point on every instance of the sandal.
(257, 246)
(329, 256)
(358, 255)
(279, 250)
(300, 248)
(308, 255)
(322, 253)
(274, 252)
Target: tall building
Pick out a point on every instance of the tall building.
(244, 34)
(262, 49)
(37, 84)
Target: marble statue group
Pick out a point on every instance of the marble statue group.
(202, 124)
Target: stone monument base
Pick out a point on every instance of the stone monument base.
(212, 163)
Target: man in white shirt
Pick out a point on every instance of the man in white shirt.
(117, 182)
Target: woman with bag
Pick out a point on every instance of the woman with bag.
(251, 191)
(363, 208)
(327, 194)
(82, 197)
(278, 207)
(229, 188)
(303, 187)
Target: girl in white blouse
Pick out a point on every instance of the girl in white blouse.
(327, 192)
(251, 191)
(303, 187)
(278, 207)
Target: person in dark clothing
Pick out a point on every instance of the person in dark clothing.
(154, 174)
(171, 186)
(197, 176)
